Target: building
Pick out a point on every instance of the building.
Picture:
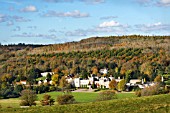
(46, 73)
(103, 71)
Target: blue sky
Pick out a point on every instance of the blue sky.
(59, 21)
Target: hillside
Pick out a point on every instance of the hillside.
(154, 104)
(145, 56)
(97, 43)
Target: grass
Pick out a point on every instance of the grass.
(87, 96)
(81, 97)
(125, 95)
(152, 104)
(7, 103)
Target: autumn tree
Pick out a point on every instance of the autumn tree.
(94, 70)
(121, 85)
(47, 100)
(55, 79)
(113, 84)
(64, 84)
(157, 79)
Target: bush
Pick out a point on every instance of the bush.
(138, 93)
(106, 95)
(52, 88)
(47, 100)
(24, 103)
(28, 98)
(65, 99)
(151, 90)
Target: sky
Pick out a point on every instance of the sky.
(60, 21)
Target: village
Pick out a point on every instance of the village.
(94, 82)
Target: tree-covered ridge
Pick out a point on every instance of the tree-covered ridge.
(118, 61)
(124, 58)
(97, 43)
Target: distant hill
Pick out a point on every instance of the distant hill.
(97, 43)
(144, 55)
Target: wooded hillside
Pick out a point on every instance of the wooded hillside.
(145, 56)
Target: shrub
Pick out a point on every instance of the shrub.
(28, 98)
(52, 88)
(24, 103)
(47, 100)
(65, 99)
(138, 93)
(151, 90)
(106, 95)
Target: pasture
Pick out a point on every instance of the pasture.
(150, 104)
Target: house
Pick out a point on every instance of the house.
(40, 82)
(103, 71)
(98, 81)
(76, 82)
(23, 82)
(46, 73)
(135, 81)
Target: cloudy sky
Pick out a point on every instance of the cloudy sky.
(59, 21)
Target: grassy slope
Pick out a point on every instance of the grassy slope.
(80, 97)
(156, 104)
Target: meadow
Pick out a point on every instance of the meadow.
(150, 104)
(80, 97)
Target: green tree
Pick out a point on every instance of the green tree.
(64, 84)
(48, 76)
(127, 77)
(28, 98)
(121, 85)
(55, 79)
(18, 88)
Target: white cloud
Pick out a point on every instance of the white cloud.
(78, 32)
(164, 2)
(70, 1)
(108, 17)
(32, 35)
(56, 1)
(20, 19)
(93, 1)
(73, 14)
(30, 8)
(146, 2)
(3, 18)
(106, 27)
(18, 28)
(10, 23)
(153, 27)
(109, 24)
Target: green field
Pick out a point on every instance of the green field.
(81, 97)
(152, 104)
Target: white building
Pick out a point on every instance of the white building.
(46, 73)
(77, 82)
(104, 71)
